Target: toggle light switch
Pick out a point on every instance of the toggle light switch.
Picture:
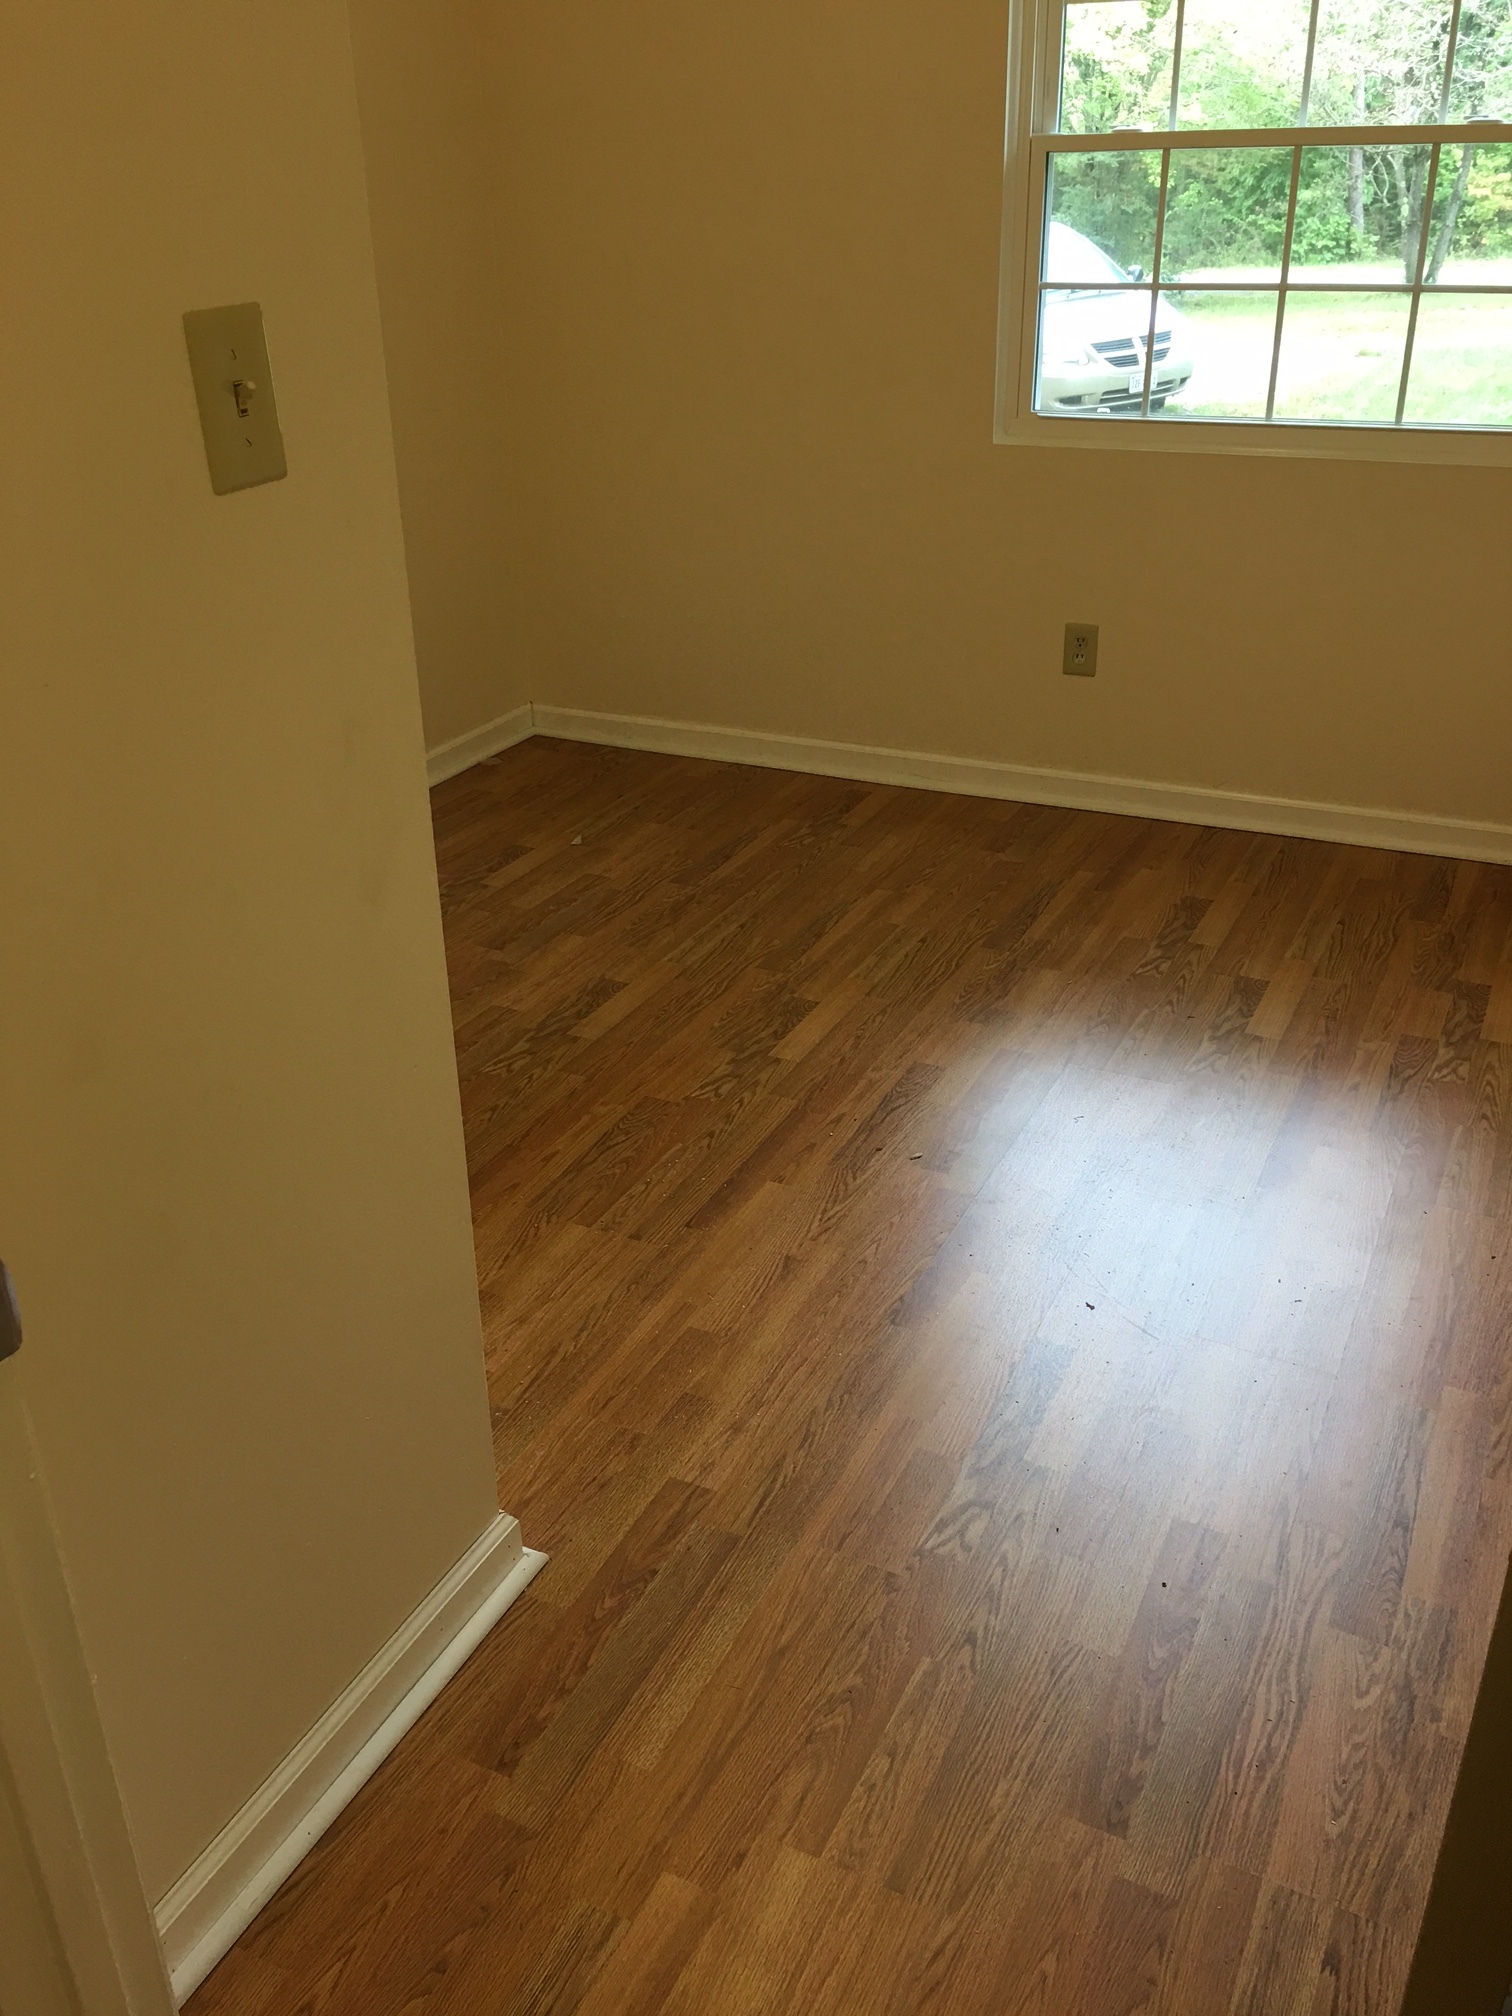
(228, 356)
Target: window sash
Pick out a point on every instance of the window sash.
(1051, 80)
(1166, 143)
(1159, 139)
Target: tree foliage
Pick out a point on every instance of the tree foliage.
(1378, 62)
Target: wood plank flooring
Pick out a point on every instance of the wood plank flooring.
(1001, 1317)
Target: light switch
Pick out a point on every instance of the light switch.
(234, 386)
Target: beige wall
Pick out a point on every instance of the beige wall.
(750, 266)
(230, 1176)
(426, 88)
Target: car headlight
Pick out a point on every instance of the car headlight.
(1077, 357)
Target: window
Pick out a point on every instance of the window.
(1270, 225)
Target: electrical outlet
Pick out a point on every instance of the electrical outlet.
(1080, 661)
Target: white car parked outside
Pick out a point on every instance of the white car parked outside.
(1093, 340)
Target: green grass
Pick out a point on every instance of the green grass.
(1342, 358)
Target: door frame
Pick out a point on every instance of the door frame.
(83, 1931)
(1463, 1962)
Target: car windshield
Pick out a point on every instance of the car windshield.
(1076, 262)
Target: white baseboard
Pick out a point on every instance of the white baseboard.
(451, 758)
(1362, 826)
(220, 1894)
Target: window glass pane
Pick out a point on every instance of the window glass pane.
(1092, 352)
(1470, 244)
(1116, 64)
(1102, 215)
(1379, 62)
(1219, 360)
(1359, 214)
(1462, 361)
(1226, 213)
(1482, 86)
(1341, 357)
(1242, 62)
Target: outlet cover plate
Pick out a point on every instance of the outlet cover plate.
(1080, 661)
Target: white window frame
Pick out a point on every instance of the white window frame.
(1034, 65)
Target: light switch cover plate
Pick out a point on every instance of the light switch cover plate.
(234, 386)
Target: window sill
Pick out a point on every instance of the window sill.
(1307, 440)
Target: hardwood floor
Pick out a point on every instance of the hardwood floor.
(1001, 1318)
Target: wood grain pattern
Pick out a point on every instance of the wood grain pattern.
(1001, 1317)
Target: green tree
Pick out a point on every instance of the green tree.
(1378, 62)
(1117, 66)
